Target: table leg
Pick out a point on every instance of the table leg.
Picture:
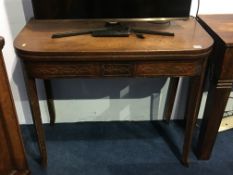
(50, 103)
(171, 95)
(34, 103)
(194, 100)
(215, 105)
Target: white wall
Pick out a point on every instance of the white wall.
(80, 100)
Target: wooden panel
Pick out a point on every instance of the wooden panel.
(117, 69)
(56, 70)
(12, 155)
(168, 69)
(76, 69)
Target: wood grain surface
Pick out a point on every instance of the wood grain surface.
(221, 25)
(12, 154)
(35, 40)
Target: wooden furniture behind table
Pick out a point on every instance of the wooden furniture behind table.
(12, 155)
(184, 54)
(220, 27)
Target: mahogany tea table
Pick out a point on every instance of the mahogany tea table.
(182, 55)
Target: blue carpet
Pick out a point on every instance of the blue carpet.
(123, 148)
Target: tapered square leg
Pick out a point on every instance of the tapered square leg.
(50, 103)
(35, 109)
(216, 102)
(171, 95)
(194, 100)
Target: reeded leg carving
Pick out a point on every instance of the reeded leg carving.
(50, 103)
(215, 105)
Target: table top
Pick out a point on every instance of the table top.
(35, 40)
(221, 25)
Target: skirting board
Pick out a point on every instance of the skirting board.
(226, 124)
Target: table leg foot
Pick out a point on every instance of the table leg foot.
(185, 161)
(44, 161)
